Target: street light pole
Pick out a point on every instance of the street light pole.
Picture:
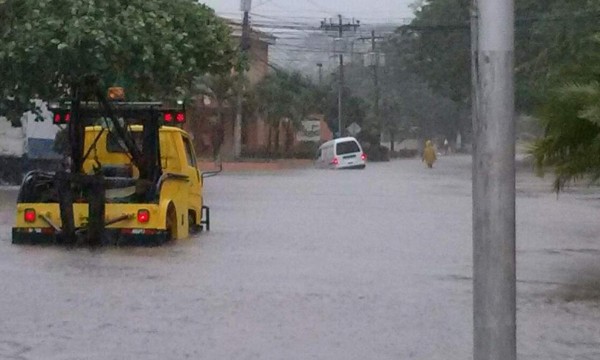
(494, 264)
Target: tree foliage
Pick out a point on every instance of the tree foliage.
(571, 144)
(154, 48)
(551, 42)
(284, 95)
(439, 42)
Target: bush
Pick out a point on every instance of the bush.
(405, 153)
(377, 153)
(305, 150)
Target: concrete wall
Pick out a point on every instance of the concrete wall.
(407, 144)
(34, 139)
(12, 139)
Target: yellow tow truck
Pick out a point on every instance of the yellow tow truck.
(132, 178)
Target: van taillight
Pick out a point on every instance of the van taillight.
(30, 215)
(335, 161)
(363, 156)
(143, 216)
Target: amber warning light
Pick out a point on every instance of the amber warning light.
(116, 93)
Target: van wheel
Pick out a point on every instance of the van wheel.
(171, 224)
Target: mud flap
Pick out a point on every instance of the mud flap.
(205, 222)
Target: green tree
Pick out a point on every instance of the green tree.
(438, 42)
(155, 48)
(571, 143)
(548, 45)
(221, 88)
(568, 92)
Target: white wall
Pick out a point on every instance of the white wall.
(43, 129)
(12, 139)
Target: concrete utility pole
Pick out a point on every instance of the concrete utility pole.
(376, 82)
(494, 265)
(340, 27)
(245, 6)
(341, 83)
(375, 60)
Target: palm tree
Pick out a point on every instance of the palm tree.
(287, 97)
(571, 143)
(220, 88)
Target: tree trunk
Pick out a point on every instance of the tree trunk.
(288, 138)
(277, 138)
(269, 140)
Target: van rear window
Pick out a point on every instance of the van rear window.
(347, 147)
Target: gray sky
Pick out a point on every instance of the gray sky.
(296, 25)
(367, 11)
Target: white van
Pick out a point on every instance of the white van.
(342, 153)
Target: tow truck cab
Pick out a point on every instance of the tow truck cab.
(113, 195)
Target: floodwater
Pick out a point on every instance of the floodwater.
(311, 264)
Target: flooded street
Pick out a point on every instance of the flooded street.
(311, 264)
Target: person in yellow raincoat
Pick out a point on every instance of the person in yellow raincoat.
(429, 156)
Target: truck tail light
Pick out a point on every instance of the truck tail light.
(61, 118)
(143, 216)
(29, 215)
(180, 117)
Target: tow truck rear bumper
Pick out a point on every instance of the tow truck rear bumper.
(112, 237)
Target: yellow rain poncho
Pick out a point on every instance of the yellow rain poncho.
(429, 156)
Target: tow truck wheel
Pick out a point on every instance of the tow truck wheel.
(171, 223)
(192, 226)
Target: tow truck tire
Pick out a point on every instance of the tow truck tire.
(193, 227)
(171, 223)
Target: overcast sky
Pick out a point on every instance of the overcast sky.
(367, 11)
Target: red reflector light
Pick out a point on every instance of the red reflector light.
(30, 215)
(143, 216)
(335, 161)
(168, 117)
(47, 231)
(363, 157)
(180, 117)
